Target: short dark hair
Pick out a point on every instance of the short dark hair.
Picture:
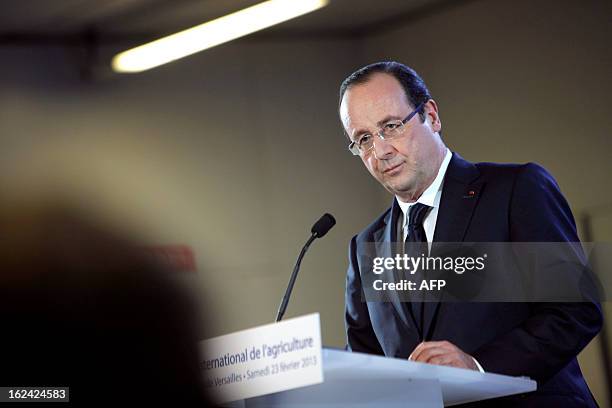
(413, 84)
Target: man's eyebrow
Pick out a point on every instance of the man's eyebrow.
(387, 118)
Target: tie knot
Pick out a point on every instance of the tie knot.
(417, 214)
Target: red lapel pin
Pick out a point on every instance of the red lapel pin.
(470, 194)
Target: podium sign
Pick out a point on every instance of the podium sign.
(263, 360)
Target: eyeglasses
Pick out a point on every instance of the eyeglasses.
(389, 131)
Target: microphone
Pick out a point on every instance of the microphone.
(324, 224)
(318, 230)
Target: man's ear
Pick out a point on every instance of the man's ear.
(431, 114)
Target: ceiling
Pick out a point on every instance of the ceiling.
(32, 20)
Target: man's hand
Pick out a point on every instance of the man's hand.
(442, 353)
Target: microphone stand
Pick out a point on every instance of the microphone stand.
(283, 306)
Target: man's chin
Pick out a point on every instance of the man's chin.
(403, 191)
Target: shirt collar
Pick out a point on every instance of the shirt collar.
(431, 195)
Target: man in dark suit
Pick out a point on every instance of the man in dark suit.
(394, 127)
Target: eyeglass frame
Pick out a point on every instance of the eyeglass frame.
(380, 133)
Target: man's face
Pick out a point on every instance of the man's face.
(408, 164)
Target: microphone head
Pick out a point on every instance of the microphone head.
(324, 224)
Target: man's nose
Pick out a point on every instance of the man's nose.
(382, 148)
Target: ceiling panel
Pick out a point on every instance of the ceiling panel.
(156, 17)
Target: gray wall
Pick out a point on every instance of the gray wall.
(237, 151)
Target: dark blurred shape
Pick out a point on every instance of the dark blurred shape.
(323, 225)
(84, 308)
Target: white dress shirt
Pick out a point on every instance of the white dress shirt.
(430, 197)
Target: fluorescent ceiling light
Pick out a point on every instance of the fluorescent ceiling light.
(212, 33)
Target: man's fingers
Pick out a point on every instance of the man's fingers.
(414, 356)
(430, 352)
(415, 351)
(442, 353)
(439, 356)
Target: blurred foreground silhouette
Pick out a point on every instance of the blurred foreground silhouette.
(85, 308)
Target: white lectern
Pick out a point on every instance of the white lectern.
(363, 380)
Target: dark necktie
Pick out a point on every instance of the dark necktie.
(416, 247)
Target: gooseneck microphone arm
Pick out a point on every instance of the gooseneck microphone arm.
(319, 229)
(283, 306)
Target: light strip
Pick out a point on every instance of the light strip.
(212, 33)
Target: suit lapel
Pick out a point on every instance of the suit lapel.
(460, 194)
